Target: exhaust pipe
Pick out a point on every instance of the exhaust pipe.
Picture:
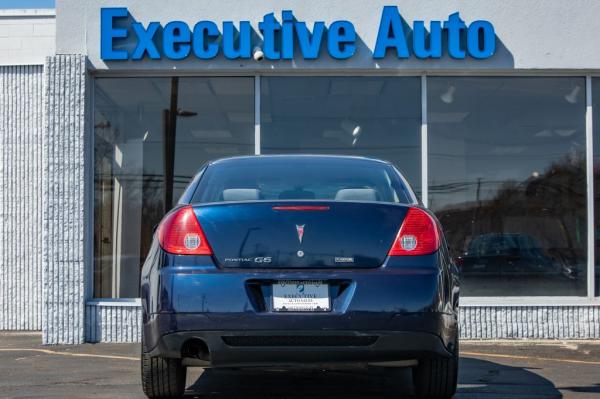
(195, 348)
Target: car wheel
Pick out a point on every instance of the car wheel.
(437, 377)
(162, 377)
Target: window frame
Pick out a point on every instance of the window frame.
(589, 300)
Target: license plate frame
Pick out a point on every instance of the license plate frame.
(306, 296)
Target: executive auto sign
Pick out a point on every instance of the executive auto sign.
(287, 38)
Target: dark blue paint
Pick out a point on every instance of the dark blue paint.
(247, 230)
(392, 295)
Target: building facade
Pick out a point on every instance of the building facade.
(488, 109)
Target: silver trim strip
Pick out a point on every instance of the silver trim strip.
(257, 115)
(424, 155)
(114, 302)
(589, 158)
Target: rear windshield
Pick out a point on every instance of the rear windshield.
(301, 179)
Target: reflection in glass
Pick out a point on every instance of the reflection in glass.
(142, 128)
(507, 181)
(377, 117)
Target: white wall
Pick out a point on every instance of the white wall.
(532, 34)
(26, 36)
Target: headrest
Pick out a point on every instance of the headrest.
(241, 194)
(356, 194)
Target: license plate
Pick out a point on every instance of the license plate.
(301, 296)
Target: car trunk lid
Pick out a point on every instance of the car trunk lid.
(300, 234)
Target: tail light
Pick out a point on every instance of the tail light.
(180, 233)
(418, 235)
(460, 261)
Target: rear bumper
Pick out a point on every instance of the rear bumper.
(302, 349)
(414, 336)
(407, 305)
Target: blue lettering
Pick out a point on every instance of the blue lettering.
(108, 33)
(287, 35)
(341, 40)
(391, 34)
(176, 40)
(145, 41)
(420, 47)
(244, 38)
(203, 32)
(205, 41)
(310, 44)
(486, 31)
(454, 25)
(268, 27)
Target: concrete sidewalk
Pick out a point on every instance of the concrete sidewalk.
(489, 370)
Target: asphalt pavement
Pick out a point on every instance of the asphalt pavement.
(488, 370)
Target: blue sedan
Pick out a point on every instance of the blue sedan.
(299, 261)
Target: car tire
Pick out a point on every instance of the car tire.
(437, 377)
(162, 378)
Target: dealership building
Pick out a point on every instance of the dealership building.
(490, 109)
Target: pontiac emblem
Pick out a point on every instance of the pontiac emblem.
(300, 231)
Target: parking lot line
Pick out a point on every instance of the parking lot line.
(520, 357)
(481, 354)
(51, 352)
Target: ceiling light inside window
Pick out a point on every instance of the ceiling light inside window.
(573, 95)
(448, 95)
(351, 128)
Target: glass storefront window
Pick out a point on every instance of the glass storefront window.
(507, 181)
(151, 135)
(506, 162)
(377, 117)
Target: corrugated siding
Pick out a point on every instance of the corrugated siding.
(63, 200)
(118, 323)
(108, 323)
(21, 128)
(537, 322)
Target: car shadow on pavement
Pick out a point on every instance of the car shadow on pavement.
(477, 377)
(584, 389)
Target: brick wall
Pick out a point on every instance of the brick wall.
(27, 37)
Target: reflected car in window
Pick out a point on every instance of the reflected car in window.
(513, 254)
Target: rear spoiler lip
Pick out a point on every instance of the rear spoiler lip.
(301, 202)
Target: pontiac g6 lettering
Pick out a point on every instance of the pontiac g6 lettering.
(258, 259)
